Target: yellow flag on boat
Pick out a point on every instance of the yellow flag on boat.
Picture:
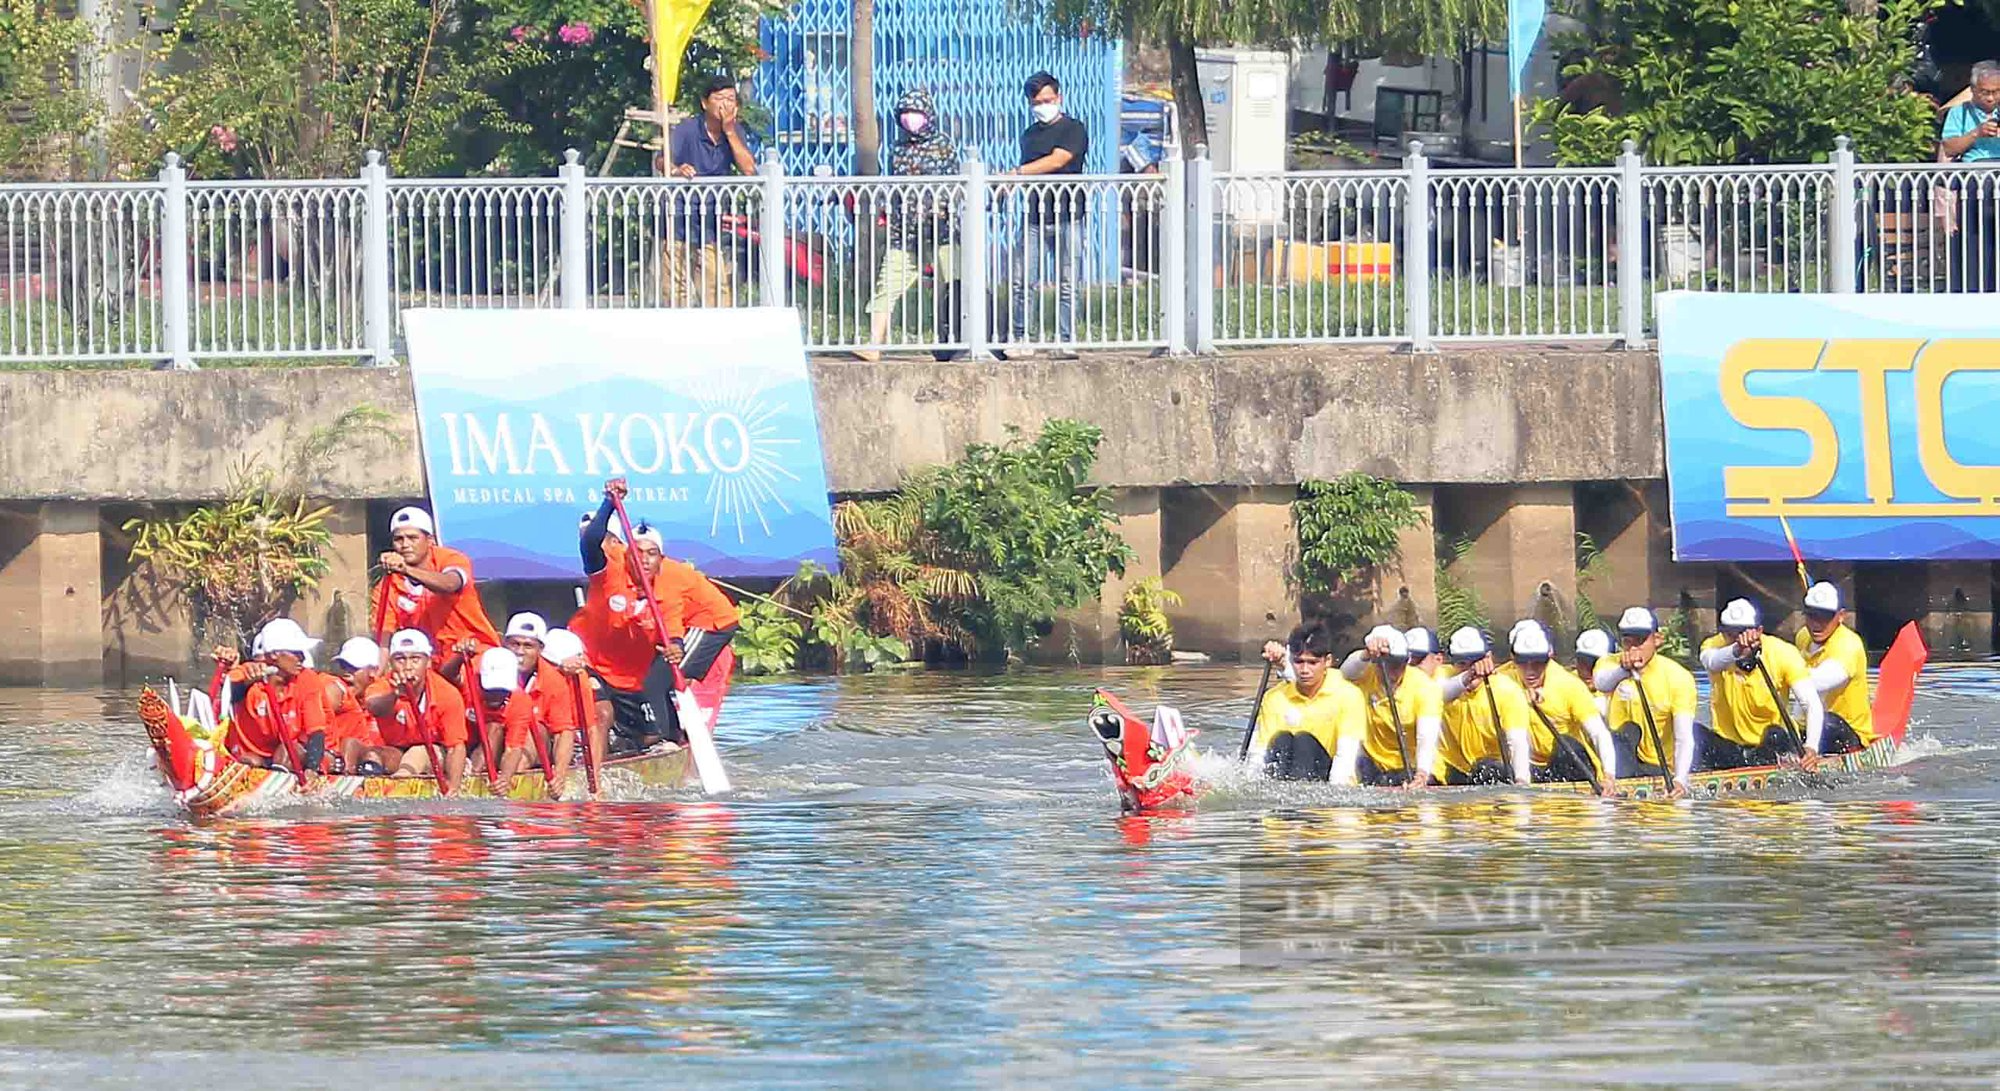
(673, 23)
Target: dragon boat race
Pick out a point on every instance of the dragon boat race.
(882, 543)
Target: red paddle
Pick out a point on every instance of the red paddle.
(542, 749)
(588, 730)
(707, 763)
(430, 743)
(469, 684)
(382, 608)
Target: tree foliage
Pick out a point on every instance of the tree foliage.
(1347, 526)
(1458, 604)
(41, 54)
(1748, 81)
(1143, 625)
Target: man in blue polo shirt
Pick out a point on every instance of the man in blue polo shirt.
(711, 144)
(1971, 134)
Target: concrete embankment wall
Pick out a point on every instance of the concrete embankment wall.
(1516, 452)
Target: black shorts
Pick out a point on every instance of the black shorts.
(699, 649)
(645, 713)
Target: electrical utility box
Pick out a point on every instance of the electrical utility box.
(1244, 94)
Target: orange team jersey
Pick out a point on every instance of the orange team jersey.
(690, 600)
(554, 701)
(517, 720)
(446, 619)
(271, 714)
(347, 719)
(620, 649)
(439, 714)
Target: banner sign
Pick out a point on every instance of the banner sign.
(709, 414)
(1870, 423)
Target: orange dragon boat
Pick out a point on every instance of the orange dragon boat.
(208, 783)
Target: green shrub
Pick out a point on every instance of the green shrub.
(1143, 625)
(1458, 604)
(1347, 526)
(767, 638)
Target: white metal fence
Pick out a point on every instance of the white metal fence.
(1184, 260)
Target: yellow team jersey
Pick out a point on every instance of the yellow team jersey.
(1669, 690)
(1417, 696)
(1469, 735)
(1565, 700)
(1851, 701)
(1741, 704)
(1336, 712)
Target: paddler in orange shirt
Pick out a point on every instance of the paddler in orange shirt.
(283, 702)
(354, 669)
(415, 709)
(430, 586)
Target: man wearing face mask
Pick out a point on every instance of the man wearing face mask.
(1052, 220)
(919, 220)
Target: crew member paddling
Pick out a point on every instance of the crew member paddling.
(1649, 692)
(284, 701)
(1402, 701)
(616, 630)
(1423, 648)
(416, 709)
(1564, 727)
(354, 668)
(511, 716)
(565, 652)
(1839, 665)
(1311, 727)
(1753, 677)
(430, 586)
(543, 684)
(1481, 709)
(1592, 645)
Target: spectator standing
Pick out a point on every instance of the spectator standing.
(710, 144)
(1971, 134)
(1054, 144)
(919, 220)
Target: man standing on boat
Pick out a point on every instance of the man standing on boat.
(1311, 727)
(1839, 664)
(1566, 734)
(430, 586)
(1405, 711)
(415, 709)
(1753, 678)
(1650, 694)
(1481, 708)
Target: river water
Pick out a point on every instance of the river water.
(924, 881)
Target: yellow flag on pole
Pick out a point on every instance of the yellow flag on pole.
(673, 23)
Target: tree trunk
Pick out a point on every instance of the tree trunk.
(861, 60)
(1187, 94)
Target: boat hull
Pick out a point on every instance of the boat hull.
(1753, 780)
(221, 786)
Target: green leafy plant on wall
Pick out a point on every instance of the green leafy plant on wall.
(1143, 625)
(1458, 604)
(767, 638)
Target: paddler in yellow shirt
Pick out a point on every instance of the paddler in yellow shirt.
(1423, 646)
(1839, 665)
(1311, 726)
(1483, 708)
(1649, 693)
(1592, 645)
(1562, 716)
(1752, 680)
(1405, 711)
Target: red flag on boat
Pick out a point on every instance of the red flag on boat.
(1896, 684)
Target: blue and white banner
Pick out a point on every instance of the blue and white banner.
(1867, 421)
(709, 413)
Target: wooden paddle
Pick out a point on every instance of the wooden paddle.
(1499, 735)
(1596, 785)
(707, 760)
(1396, 721)
(381, 609)
(1256, 706)
(1653, 728)
(542, 748)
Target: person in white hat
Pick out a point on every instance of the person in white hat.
(1423, 648)
(1839, 663)
(416, 709)
(1405, 710)
(1592, 645)
(1649, 692)
(1753, 678)
(1566, 733)
(562, 649)
(1483, 708)
(354, 668)
(512, 717)
(1310, 728)
(430, 586)
(542, 681)
(280, 715)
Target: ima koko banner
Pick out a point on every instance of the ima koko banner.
(709, 414)
(1870, 422)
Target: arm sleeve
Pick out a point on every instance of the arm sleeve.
(1517, 741)
(1608, 675)
(1076, 140)
(1601, 741)
(1829, 676)
(1957, 122)
(1429, 729)
(1351, 668)
(1345, 755)
(1815, 710)
(1718, 659)
(1683, 745)
(1453, 688)
(592, 545)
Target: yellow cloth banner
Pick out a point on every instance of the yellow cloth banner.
(673, 23)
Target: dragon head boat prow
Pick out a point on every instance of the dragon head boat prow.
(1152, 764)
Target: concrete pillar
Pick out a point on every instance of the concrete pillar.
(1092, 629)
(1228, 552)
(338, 607)
(148, 621)
(1522, 562)
(1676, 586)
(1403, 591)
(51, 594)
(1958, 608)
